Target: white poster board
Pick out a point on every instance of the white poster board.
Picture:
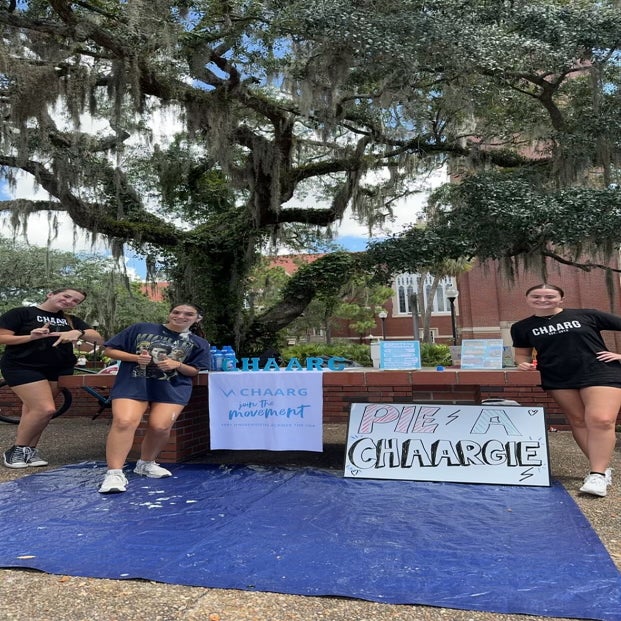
(482, 353)
(275, 411)
(497, 444)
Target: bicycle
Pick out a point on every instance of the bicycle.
(64, 400)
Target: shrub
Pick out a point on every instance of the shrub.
(431, 355)
(359, 353)
(434, 355)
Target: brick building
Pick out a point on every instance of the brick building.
(488, 304)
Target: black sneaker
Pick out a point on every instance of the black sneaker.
(17, 457)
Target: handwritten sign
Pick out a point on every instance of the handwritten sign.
(400, 355)
(276, 411)
(493, 443)
(482, 353)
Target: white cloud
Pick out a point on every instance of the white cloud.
(405, 211)
(41, 230)
(53, 228)
(56, 230)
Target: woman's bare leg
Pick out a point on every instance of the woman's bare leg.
(126, 416)
(602, 404)
(592, 414)
(162, 417)
(37, 409)
(570, 402)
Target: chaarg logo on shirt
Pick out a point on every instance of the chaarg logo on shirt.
(555, 328)
(53, 321)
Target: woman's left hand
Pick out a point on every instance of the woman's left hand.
(168, 364)
(608, 356)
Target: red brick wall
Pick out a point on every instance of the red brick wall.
(347, 387)
(191, 433)
(82, 403)
(453, 386)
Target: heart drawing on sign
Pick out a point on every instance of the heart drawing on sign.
(532, 412)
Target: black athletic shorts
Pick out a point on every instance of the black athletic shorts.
(16, 376)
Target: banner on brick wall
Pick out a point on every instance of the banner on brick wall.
(275, 411)
(494, 444)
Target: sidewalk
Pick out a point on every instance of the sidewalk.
(27, 594)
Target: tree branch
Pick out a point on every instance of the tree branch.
(587, 267)
(94, 217)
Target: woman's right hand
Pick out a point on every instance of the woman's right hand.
(144, 357)
(40, 333)
(527, 366)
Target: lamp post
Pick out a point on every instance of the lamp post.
(94, 352)
(451, 294)
(414, 309)
(382, 315)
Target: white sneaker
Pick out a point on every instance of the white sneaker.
(595, 484)
(608, 475)
(35, 459)
(151, 469)
(113, 483)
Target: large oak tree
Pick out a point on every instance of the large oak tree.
(290, 112)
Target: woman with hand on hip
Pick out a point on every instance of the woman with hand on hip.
(578, 372)
(150, 378)
(39, 342)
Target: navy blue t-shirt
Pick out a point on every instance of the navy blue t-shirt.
(149, 383)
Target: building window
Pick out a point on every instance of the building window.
(407, 284)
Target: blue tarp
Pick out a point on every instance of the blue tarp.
(522, 550)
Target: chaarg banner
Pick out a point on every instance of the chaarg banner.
(279, 411)
(488, 443)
